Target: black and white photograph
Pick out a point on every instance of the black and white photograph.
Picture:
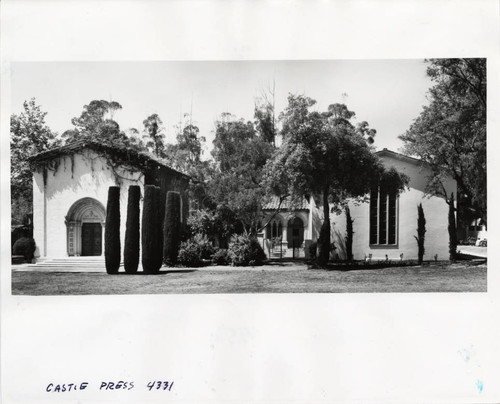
(249, 176)
(211, 201)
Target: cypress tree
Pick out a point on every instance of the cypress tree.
(349, 234)
(112, 231)
(159, 213)
(452, 228)
(172, 228)
(131, 248)
(149, 237)
(420, 237)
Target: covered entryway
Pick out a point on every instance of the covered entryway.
(296, 236)
(84, 226)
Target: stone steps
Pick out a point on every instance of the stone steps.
(71, 262)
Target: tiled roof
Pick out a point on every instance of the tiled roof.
(399, 156)
(287, 204)
(126, 153)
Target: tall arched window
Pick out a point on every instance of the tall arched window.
(274, 229)
(383, 217)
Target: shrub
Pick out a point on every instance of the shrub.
(201, 222)
(420, 237)
(112, 232)
(221, 257)
(190, 254)
(24, 246)
(172, 228)
(195, 250)
(245, 250)
(149, 231)
(132, 239)
(312, 250)
(206, 247)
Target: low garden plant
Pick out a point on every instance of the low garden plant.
(196, 251)
(24, 246)
(245, 250)
(221, 257)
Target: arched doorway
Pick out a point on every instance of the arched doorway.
(295, 235)
(84, 227)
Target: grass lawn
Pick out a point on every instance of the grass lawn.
(274, 278)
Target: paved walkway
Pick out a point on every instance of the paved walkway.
(473, 250)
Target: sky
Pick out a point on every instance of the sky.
(388, 94)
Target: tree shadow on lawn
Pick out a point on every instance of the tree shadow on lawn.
(167, 272)
(364, 265)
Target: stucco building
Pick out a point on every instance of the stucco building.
(70, 190)
(384, 226)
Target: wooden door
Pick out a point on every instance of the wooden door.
(91, 239)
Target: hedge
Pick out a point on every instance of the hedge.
(112, 232)
(132, 235)
(172, 228)
(159, 212)
(149, 233)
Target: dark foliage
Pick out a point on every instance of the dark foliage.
(159, 213)
(324, 242)
(206, 247)
(450, 133)
(420, 237)
(245, 250)
(20, 231)
(24, 246)
(190, 254)
(218, 224)
(221, 257)
(349, 234)
(112, 232)
(172, 228)
(452, 228)
(149, 231)
(29, 135)
(132, 236)
(313, 248)
(324, 154)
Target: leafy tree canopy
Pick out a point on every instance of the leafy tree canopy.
(186, 154)
(240, 155)
(96, 123)
(154, 138)
(323, 154)
(29, 135)
(450, 132)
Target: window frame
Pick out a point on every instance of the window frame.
(274, 229)
(380, 196)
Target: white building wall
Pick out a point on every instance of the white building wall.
(435, 212)
(88, 176)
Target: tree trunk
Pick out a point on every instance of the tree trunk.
(324, 235)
